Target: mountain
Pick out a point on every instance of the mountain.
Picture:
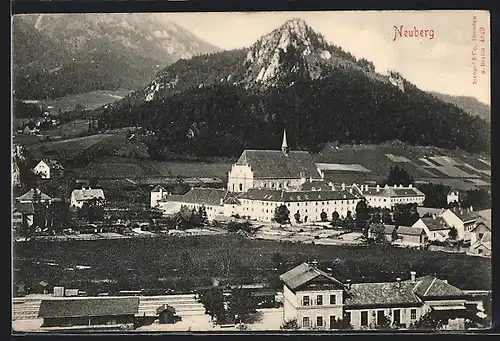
(222, 103)
(469, 104)
(56, 55)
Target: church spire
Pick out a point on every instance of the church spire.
(284, 145)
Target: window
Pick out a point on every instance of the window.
(305, 321)
(348, 316)
(319, 321)
(364, 318)
(319, 300)
(333, 299)
(397, 317)
(481, 235)
(241, 187)
(380, 317)
(305, 301)
(413, 314)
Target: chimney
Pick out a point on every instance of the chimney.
(433, 215)
(395, 186)
(348, 284)
(413, 276)
(378, 188)
(343, 186)
(400, 186)
(471, 209)
(398, 280)
(310, 179)
(314, 264)
(386, 186)
(350, 190)
(221, 202)
(410, 186)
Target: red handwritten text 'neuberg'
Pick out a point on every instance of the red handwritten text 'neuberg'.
(400, 32)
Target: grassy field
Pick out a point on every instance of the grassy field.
(90, 100)
(160, 263)
(70, 129)
(66, 149)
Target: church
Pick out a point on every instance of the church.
(272, 169)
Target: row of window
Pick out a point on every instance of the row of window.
(409, 200)
(319, 300)
(306, 322)
(396, 313)
(267, 203)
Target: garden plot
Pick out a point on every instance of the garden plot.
(397, 159)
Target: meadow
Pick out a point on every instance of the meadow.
(180, 262)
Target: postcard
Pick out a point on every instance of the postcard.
(251, 171)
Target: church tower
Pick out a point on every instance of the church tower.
(284, 145)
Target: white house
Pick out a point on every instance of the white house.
(272, 169)
(480, 234)
(315, 299)
(452, 196)
(435, 228)
(80, 196)
(389, 196)
(47, 169)
(42, 169)
(462, 219)
(157, 194)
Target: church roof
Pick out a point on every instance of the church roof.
(274, 164)
(29, 196)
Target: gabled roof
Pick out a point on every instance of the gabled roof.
(382, 228)
(465, 215)
(422, 211)
(54, 164)
(410, 231)
(202, 196)
(485, 216)
(479, 223)
(164, 307)
(315, 185)
(393, 192)
(158, 188)
(435, 224)
(382, 294)
(84, 307)
(430, 286)
(305, 273)
(295, 196)
(87, 194)
(28, 196)
(274, 164)
(24, 207)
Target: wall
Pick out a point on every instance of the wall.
(313, 310)
(240, 174)
(289, 304)
(475, 234)
(452, 220)
(277, 183)
(411, 240)
(155, 197)
(43, 170)
(405, 314)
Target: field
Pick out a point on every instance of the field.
(70, 129)
(163, 262)
(90, 100)
(420, 162)
(66, 149)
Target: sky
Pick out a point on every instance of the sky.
(443, 64)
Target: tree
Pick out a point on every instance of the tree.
(282, 214)
(362, 215)
(183, 218)
(453, 233)
(349, 221)
(297, 216)
(202, 216)
(394, 234)
(429, 322)
(241, 305)
(386, 216)
(323, 216)
(335, 218)
(289, 325)
(342, 324)
(213, 301)
(92, 210)
(398, 176)
(278, 262)
(405, 214)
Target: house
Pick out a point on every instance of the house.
(166, 314)
(48, 168)
(389, 196)
(260, 204)
(411, 236)
(88, 311)
(80, 196)
(34, 195)
(272, 169)
(480, 241)
(216, 202)
(22, 212)
(452, 196)
(387, 231)
(435, 228)
(462, 219)
(157, 194)
(316, 300)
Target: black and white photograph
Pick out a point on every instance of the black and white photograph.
(277, 171)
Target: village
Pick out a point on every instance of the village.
(273, 195)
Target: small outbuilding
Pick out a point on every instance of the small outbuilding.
(166, 314)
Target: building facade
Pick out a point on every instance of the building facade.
(388, 197)
(434, 227)
(316, 300)
(80, 196)
(272, 169)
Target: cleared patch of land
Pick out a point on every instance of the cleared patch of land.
(160, 262)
